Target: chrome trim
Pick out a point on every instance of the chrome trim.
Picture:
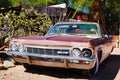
(52, 56)
(48, 47)
(57, 64)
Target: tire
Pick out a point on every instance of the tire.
(27, 66)
(95, 69)
(91, 72)
(109, 57)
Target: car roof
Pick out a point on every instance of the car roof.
(76, 23)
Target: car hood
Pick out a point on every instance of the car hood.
(66, 40)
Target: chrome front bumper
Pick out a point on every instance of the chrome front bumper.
(65, 64)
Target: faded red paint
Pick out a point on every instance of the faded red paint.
(66, 38)
(54, 40)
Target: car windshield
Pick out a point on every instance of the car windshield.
(75, 29)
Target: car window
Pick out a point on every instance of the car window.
(79, 29)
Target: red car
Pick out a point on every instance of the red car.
(79, 45)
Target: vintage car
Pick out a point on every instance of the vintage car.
(78, 45)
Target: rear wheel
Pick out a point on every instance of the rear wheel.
(109, 57)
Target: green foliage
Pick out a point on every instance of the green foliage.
(14, 3)
(113, 10)
(4, 3)
(21, 25)
(2, 19)
(82, 3)
(37, 2)
(53, 2)
(8, 3)
(41, 2)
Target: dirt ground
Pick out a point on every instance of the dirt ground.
(19, 73)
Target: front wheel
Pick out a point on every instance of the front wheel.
(94, 70)
(27, 66)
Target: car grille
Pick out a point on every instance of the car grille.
(49, 51)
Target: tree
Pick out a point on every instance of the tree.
(111, 11)
(105, 12)
(14, 3)
(41, 2)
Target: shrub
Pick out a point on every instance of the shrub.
(26, 24)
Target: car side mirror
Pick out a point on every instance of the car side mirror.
(107, 37)
(104, 36)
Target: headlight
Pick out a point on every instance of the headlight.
(14, 47)
(87, 53)
(76, 52)
(21, 48)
